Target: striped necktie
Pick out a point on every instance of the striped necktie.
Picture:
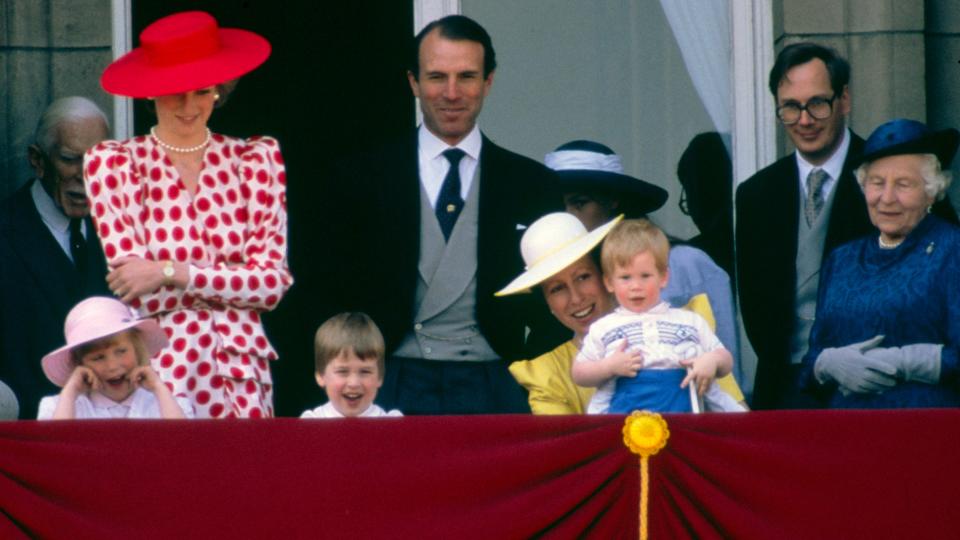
(814, 203)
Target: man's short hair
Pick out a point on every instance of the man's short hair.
(349, 331)
(801, 53)
(64, 110)
(631, 237)
(456, 28)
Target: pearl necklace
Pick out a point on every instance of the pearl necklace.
(884, 245)
(180, 149)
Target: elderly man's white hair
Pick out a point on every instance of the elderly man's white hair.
(63, 110)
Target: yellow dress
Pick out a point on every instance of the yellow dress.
(551, 389)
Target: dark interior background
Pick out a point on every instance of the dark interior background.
(334, 83)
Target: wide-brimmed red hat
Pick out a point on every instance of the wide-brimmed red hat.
(183, 52)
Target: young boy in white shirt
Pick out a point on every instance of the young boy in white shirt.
(348, 353)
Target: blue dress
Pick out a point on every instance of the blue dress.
(910, 294)
(692, 272)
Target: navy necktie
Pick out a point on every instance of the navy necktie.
(77, 253)
(449, 202)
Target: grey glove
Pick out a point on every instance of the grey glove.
(918, 362)
(853, 370)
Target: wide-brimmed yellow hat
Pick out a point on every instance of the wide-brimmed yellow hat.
(551, 244)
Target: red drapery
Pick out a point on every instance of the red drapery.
(804, 474)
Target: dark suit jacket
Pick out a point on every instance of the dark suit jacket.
(372, 215)
(38, 286)
(768, 217)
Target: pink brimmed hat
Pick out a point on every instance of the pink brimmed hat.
(92, 319)
(182, 52)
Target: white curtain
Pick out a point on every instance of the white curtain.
(702, 30)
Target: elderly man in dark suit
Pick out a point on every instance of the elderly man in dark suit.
(426, 230)
(50, 257)
(791, 214)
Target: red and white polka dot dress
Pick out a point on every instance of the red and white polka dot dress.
(233, 235)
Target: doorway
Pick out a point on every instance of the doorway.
(334, 83)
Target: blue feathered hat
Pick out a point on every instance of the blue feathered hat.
(904, 136)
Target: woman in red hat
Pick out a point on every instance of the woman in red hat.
(193, 224)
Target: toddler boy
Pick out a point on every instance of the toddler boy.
(645, 353)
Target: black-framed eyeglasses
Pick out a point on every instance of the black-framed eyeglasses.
(682, 203)
(818, 108)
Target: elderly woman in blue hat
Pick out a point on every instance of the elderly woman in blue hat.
(887, 329)
(596, 189)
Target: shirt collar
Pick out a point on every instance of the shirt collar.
(833, 166)
(658, 309)
(101, 401)
(432, 146)
(48, 210)
(331, 412)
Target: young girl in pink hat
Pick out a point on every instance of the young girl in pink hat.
(104, 369)
(193, 224)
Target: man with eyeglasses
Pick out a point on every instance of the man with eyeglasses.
(792, 213)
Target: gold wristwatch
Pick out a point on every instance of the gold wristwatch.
(168, 272)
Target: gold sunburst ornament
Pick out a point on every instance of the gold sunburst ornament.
(645, 433)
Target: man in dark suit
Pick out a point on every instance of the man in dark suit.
(426, 230)
(791, 214)
(50, 257)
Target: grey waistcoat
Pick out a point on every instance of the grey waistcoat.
(445, 325)
(810, 241)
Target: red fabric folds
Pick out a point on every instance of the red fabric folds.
(808, 474)
(427, 477)
(803, 474)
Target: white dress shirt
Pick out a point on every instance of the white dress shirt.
(327, 410)
(140, 404)
(55, 220)
(434, 165)
(833, 167)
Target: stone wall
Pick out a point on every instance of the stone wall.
(48, 49)
(884, 42)
(943, 73)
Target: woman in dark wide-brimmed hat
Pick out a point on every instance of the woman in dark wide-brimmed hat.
(887, 328)
(193, 224)
(596, 189)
